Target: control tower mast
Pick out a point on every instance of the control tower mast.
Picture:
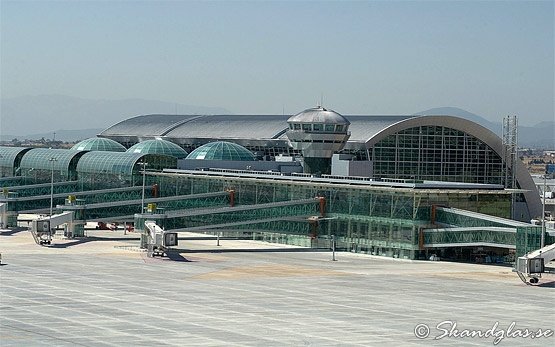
(318, 133)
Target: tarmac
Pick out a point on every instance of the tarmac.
(104, 291)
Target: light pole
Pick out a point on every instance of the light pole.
(52, 160)
(333, 248)
(542, 240)
(144, 165)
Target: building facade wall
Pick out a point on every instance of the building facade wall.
(382, 221)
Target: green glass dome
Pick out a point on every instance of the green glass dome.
(98, 144)
(222, 150)
(158, 146)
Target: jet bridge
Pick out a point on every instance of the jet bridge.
(532, 265)
(3, 215)
(158, 240)
(44, 228)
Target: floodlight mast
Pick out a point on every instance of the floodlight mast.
(52, 160)
(542, 239)
(144, 165)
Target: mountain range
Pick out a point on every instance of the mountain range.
(71, 118)
(541, 135)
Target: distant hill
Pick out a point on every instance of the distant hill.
(35, 117)
(61, 135)
(44, 113)
(541, 135)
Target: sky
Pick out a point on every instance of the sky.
(367, 57)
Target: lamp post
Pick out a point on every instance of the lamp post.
(333, 248)
(144, 165)
(542, 240)
(52, 160)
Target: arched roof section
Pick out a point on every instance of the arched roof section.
(365, 127)
(146, 125)
(40, 159)
(158, 146)
(469, 127)
(109, 162)
(10, 157)
(483, 134)
(99, 144)
(221, 150)
(240, 127)
(232, 127)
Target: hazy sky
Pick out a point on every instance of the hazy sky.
(367, 57)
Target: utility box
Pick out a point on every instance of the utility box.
(170, 239)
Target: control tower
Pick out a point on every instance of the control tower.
(318, 133)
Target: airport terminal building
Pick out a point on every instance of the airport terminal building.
(398, 186)
(435, 148)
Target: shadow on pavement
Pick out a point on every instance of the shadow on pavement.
(12, 231)
(68, 244)
(250, 250)
(178, 257)
(546, 285)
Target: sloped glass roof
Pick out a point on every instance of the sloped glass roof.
(222, 150)
(108, 162)
(99, 144)
(40, 159)
(158, 146)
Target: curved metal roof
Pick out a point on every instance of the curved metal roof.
(222, 150)
(231, 126)
(363, 128)
(318, 115)
(158, 146)
(108, 162)
(147, 125)
(234, 126)
(99, 144)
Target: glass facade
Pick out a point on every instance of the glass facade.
(222, 150)
(99, 144)
(10, 159)
(158, 146)
(98, 170)
(369, 219)
(39, 164)
(526, 237)
(437, 153)
(319, 127)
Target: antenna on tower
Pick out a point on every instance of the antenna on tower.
(510, 154)
(322, 99)
(510, 149)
